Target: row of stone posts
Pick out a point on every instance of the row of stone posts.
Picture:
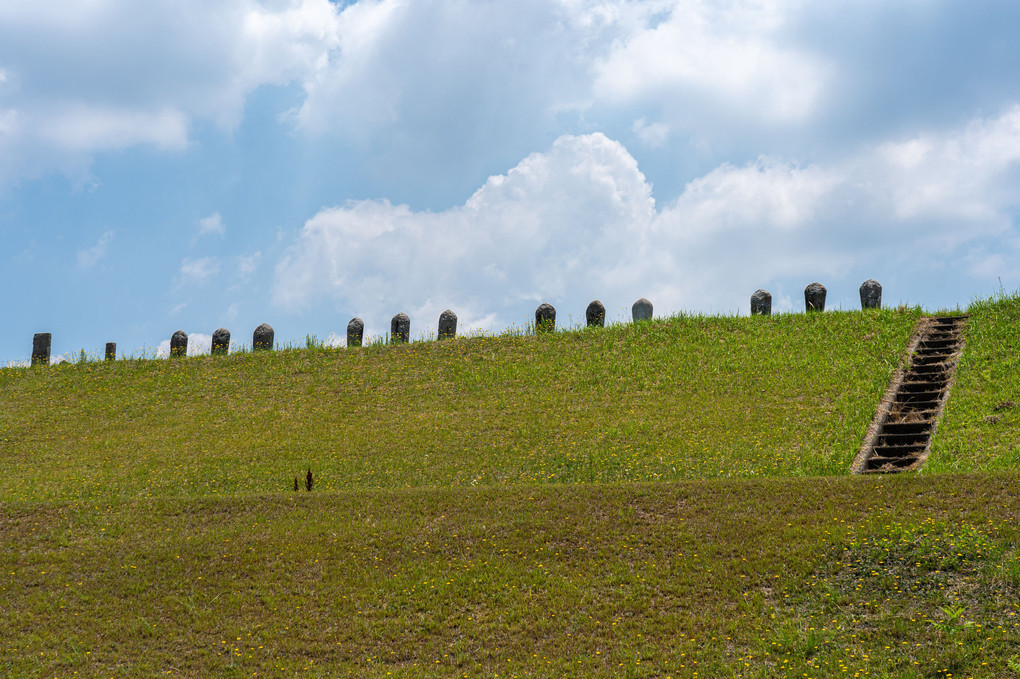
(261, 340)
(400, 329)
(594, 315)
(545, 321)
(400, 325)
(814, 298)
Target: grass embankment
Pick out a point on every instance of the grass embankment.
(822, 577)
(147, 529)
(689, 397)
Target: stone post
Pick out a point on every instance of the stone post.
(355, 332)
(400, 329)
(263, 337)
(447, 325)
(545, 318)
(41, 342)
(179, 344)
(871, 294)
(595, 314)
(111, 351)
(642, 310)
(220, 342)
(814, 297)
(761, 303)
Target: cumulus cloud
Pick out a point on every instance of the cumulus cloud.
(90, 256)
(964, 175)
(579, 222)
(723, 55)
(433, 87)
(503, 245)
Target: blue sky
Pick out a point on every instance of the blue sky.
(184, 164)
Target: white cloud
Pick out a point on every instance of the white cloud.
(94, 76)
(197, 271)
(579, 222)
(651, 134)
(767, 193)
(213, 224)
(723, 54)
(435, 87)
(90, 128)
(956, 175)
(90, 256)
(505, 244)
(444, 77)
(431, 87)
(247, 265)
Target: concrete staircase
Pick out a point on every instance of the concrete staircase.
(899, 438)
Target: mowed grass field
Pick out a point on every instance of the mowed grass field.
(663, 500)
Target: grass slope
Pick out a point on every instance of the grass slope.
(499, 507)
(689, 397)
(980, 430)
(898, 577)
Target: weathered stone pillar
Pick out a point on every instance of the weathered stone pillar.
(111, 351)
(41, 342)
(179, 344)
(263, 338)
(355, 332)
(545, 318)
(871, 294)
(814, 297)
(400, 329)
(447, 325)
(761, 303)
(642, 310)
(595, 314)
(220, 342)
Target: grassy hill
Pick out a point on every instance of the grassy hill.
(688, 397)
(665, 499)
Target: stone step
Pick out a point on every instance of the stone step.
(889, 440)
(931, 384)
(905, 428)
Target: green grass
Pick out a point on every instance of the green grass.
(688, 397)
(980, 430)
(513, 506)
(727, 578)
